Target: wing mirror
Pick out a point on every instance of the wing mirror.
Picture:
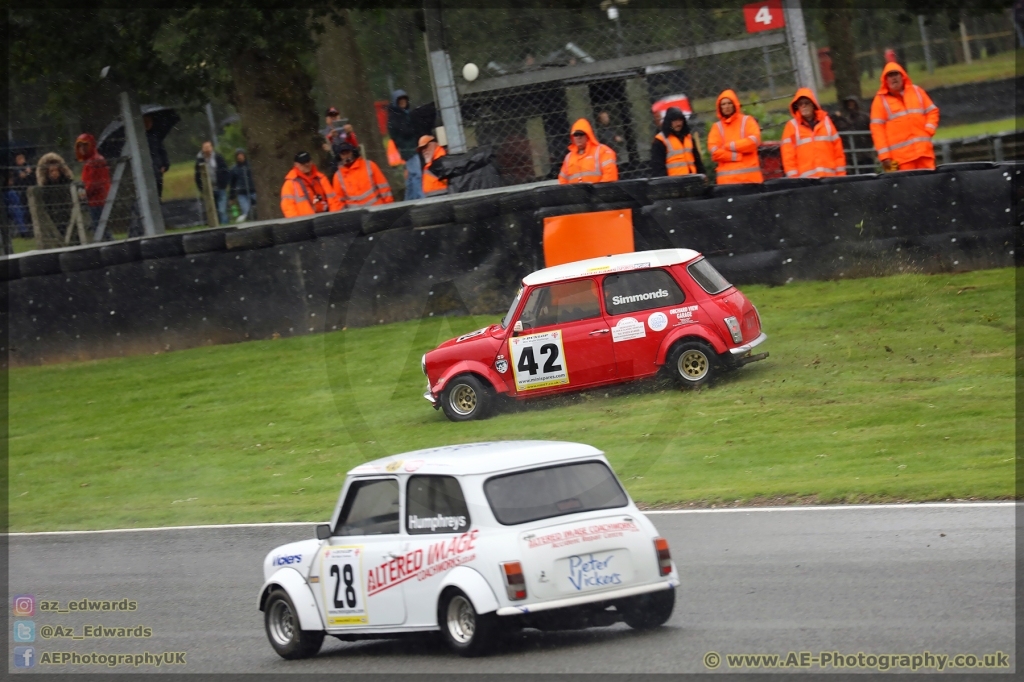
(323, 531)
(517, 328)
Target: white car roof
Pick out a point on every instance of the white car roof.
(617, 263)
(479, 458)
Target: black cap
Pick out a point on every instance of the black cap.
(332, 112)
(303, 157)
(344, 147)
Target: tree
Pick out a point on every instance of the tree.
(838, 20)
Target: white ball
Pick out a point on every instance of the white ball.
(470, 71)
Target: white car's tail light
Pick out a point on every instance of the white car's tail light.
(664, 556)
(515, 583)
(734, 328)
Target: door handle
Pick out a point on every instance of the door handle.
(599, 331)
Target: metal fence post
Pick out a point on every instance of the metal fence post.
(799, 50)
(443, 79)
(142, 166)
(927, 45)
(997, 147)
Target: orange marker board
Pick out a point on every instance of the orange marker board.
(570, 238)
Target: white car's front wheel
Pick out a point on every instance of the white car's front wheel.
(467, 632)
(285, 633)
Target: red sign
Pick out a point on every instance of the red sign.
(764, 16)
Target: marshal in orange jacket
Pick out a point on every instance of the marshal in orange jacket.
(303, 194)
(361, 184)
(902, 124)
(432, 185)
(733, 143)
(811, 150)
(596, 163)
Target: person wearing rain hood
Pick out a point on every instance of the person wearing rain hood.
(674, 151)
(903, 121)
(733, 142)
(95, 174)
(588, 160)
(358, 181)
(811, 147)
(405, 127)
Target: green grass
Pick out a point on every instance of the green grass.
(986, 128)
(265, 431)
(180, 181)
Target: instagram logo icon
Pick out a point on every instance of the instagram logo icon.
(24, 605)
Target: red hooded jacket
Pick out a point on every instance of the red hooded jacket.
(95, 174)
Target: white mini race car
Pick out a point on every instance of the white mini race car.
(472, 540)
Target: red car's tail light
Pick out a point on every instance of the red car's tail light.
(664, 556)
(734, 329)
(515, 583)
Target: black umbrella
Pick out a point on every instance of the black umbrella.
(112, 138)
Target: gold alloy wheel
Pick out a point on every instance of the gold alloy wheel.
(462, 399)
(693, 365)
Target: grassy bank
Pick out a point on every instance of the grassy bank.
(876, 389)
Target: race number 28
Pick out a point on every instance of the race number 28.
(538, 360)
(340, 570)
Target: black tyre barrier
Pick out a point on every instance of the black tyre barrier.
(677, 187)
(298, 231)
(515, 202)
(844, 179)
(795, 216)
(166, 246)
(9, 269)
(389, 217)
(983, 198)
(86, 258)
(913, 202)
(247, 238)
(348, 221)
(474, 209)
(737, 189)
(561, 195)
(205, 241)
(762, 267)
(623, 190)
(849, 209)
(37, 264)
(120, 253)
(432, 213)
(789, 183)
(965, 166)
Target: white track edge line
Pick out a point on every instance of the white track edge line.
(284, 524)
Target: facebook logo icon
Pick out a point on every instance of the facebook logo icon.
(24, 657)
(24, 631)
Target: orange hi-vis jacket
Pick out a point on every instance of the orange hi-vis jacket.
(811, 151)
(361, 184)
(678, 155)
(432, 186)
(733, 143)
(902, 125)
(307, 194)
(597, 162)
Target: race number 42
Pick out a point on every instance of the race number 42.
(764, 16)
(538, 360)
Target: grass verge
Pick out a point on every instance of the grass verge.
(898, 388)
(984, 128)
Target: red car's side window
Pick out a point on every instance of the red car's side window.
(561, 303)
(632, 292)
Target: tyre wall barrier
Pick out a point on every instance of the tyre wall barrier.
(379, 265)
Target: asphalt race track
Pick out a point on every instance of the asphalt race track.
(881, 580)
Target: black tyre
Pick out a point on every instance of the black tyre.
(692, 363)
(287, 637)
(466, 632)
(466, 398)
(650, 610)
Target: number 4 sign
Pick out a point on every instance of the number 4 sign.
(764, 16)
(538, 360)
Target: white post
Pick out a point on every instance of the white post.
(142, 166)
(799, 50)
(213, 125)
(816, 66)
(965, 42)
(927, 45)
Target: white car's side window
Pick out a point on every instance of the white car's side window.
(434, 505)
(371, 508)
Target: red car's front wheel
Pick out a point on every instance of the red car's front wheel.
(466, 398)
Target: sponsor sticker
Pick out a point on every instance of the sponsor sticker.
(581, 534)
(628, 328)
(501, 365)
(436, 523)
(413, 464)
(421, 564)
(538, 360)
(592, 571)
(657, 322)
(342, 587)
(287, 560)
(392, 467)
(648, 296)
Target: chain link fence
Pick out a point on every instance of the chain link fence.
(540, 70)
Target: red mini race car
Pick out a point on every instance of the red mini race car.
(595, 322)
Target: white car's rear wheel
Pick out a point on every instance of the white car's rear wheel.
(285, 632)
(467, 632)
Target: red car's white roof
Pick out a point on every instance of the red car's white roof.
(479, 458)
(618, 263)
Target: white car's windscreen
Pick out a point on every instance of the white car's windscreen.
(371, 508)
(553, 491)
(709, 279)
